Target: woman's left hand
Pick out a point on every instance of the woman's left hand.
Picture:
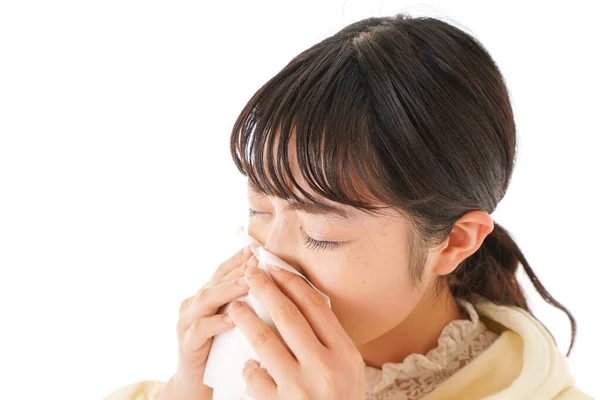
(321, 363)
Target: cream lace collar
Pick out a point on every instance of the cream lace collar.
(460, 342)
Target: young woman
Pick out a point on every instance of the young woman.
(374, 160)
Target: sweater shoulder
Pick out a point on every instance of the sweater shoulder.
(141, 390)
(572, 393)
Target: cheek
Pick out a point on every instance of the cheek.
(371, 298)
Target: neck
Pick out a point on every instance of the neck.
(418, 333)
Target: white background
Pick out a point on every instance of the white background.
(118, 196)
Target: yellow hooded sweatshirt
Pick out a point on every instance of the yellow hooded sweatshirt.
(523, 363)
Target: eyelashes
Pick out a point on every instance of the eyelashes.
(319, 244)
(309, 242)
(252, 213)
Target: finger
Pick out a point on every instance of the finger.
(231, 275)
(209, 299)
(314, 308)
(203, 329)
(185, 305)
(260, 384)
(291, 324)
(236, 274)
(233, 262)
(264, 341)
(239, 271)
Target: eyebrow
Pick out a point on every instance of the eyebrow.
(309, 208)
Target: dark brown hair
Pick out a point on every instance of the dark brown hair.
(409, 112)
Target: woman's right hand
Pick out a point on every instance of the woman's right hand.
(199, 321)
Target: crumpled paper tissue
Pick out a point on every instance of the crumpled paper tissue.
(230, 350)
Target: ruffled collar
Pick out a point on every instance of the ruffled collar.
(453, 340)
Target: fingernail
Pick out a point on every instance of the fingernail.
(241, 281)
(251, 261)
(227, 319)
(246, 250)
(274, 267)
(235, 304)
(253, 271)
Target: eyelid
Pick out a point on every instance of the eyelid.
(317, 245)
(253, 213)
(309, 242)
(323, 240)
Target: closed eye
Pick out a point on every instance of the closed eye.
(320, 244)
(252, 213)
(309, 242)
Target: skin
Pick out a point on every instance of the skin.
(377, 315)
(367, 279)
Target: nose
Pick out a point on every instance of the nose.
(279, 236)
(277, 243)
(282, 245)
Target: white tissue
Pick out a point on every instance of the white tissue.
(230, 350)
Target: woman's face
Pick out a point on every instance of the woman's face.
(366, 276)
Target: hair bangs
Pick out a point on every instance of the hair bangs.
(318, 108)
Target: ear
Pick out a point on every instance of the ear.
(465, 239)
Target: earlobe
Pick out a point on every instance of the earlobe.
(468, 234)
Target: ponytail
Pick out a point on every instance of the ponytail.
(491, 272)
